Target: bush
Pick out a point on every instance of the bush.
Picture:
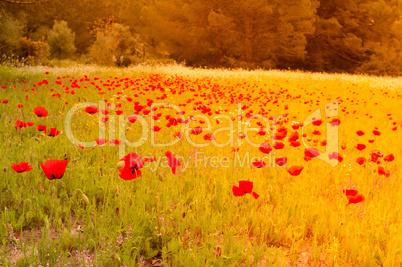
(61, 40)
(35, 52)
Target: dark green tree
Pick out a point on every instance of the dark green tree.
(112, 44)
(61, 40)
(351, 33)
(11, 31)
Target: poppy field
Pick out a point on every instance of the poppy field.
(172, 166)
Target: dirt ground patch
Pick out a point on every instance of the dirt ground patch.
(29, 239)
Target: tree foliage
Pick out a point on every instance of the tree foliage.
(113, 42)
(10, 33)
(336, 35)
(61, 40)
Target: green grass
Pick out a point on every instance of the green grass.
(93, 217)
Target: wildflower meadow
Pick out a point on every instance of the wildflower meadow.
(174, 166)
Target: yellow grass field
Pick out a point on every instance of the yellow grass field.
(161, 159)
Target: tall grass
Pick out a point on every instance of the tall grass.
(92, 217)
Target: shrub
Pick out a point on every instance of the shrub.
(35, 52)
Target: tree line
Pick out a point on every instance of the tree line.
(363, 36)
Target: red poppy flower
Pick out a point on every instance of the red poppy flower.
(209, 136)
(279, 135)
(114, 141)
(91, 109)
(381, 170)
(317, 122)
(196, 130)
(295, 125)
(41, 128)
(278, 145)
(311, 152)
(104, 119)
(343, 146)
(356, 199)
(21, 167)
(245, 187)
(360, 147)
(118, 112)
(132, 165)
(281, 161)
(138, 108)
(389, 158)
(30, 123)
(132, 119)
(20, 106)
(156, 128)
(258, 164)
(172, 161)
(5, 101)
(261, 131)
(265, 148)
(100, 141)
(360, 160)
(375, 155)
(295, 143)
(360, 133)
(375, 132)
(294, 136)
(178, 135)
(53, 132)
(54, 168)
(335, 155)
(81, 146)
(40, 111)
(335, 122)
(173, 121)
(353, 196)
(104, 111)
(316, 132)
(350, 192)
(19, 124)
(295, 170)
